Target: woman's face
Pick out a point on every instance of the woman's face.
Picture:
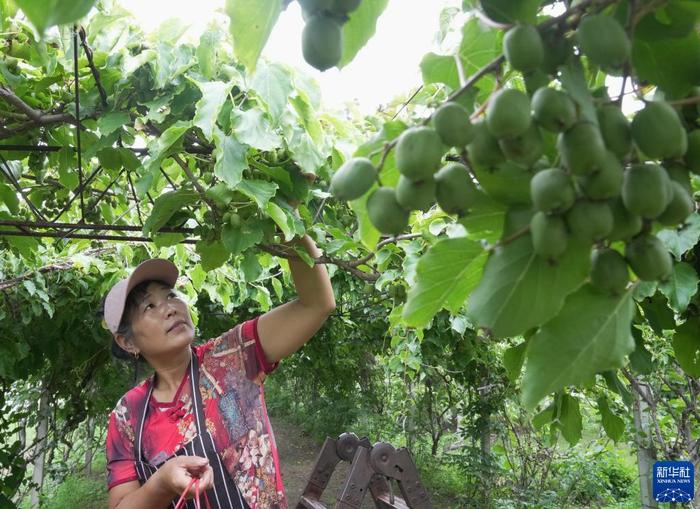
(161, 323)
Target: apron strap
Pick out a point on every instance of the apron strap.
(198, 406)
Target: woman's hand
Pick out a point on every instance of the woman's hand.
(176, 473)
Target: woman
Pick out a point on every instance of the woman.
(202, 414)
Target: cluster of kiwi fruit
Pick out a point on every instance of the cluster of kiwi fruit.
(612, 180)
(322, 37)
(424, 180)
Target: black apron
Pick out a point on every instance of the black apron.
(225, 493)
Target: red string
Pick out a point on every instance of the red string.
(182, 501)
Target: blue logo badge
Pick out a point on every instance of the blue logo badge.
(674, 481)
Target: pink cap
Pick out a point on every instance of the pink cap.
(157, 268)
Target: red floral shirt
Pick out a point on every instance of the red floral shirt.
(232, 370)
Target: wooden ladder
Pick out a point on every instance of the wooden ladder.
(371, 470)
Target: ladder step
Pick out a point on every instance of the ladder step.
(311, 504)
(385, 499)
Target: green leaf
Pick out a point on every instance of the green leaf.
(507, 183)
(672, 63)
(277, 287)
(280, 218)
(640, 360)
(67, 173)
(510, 11)
(570, 422)
(117, 158)
(230, 157)
(46, 13)
(680, 286)
(360, 28)
(486, 219)
(9, 197)
(478, 47)
(440, 69)
(238, 239)
(171, 30)
(214, 95)
(520, 290)
(159, 147)
(251, 24)
(206, 53)
(308, 118)
(369, 235)
(544, 417)
(445, 276)
(615, 384)
(274, 84)
(680, 241)
(574, 82)
(212, 254)
(305, 153)
(513, 359)
(198, 275)
(167, 239)
(110, 122)
(250, 266)
(253, 128)
(166, 205)
(259, 190)
(589, 335)
(686, 345)
(613, 425)
(658, 314)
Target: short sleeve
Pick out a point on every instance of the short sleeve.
(120, 448)
(250, 331)
(238, 349)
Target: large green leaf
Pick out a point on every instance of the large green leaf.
(259, 190)
(368, 234)
(251, 24)
(570, 422)
(590, 334)
(613, 425)
(520, 290)
(207, 53)
(478, 47)
(166, 205)
(667, 54)
(9, 197)
(686, 345)
(230, 157)
(510, 11)
(160, 146)
(513, 359)
(238, 239)
(253, 128)
(485, 220)
(680, 241)
(574, 82)
(112, 121)
(280, 218)
(445, 276)
(274, 84)
(304, 151)
(440, 69)
(360, 28)
(212, 254)
(214, 95)
(46, 13)
(680, 287)
(658, 314)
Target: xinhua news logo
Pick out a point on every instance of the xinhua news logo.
(674, 481)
